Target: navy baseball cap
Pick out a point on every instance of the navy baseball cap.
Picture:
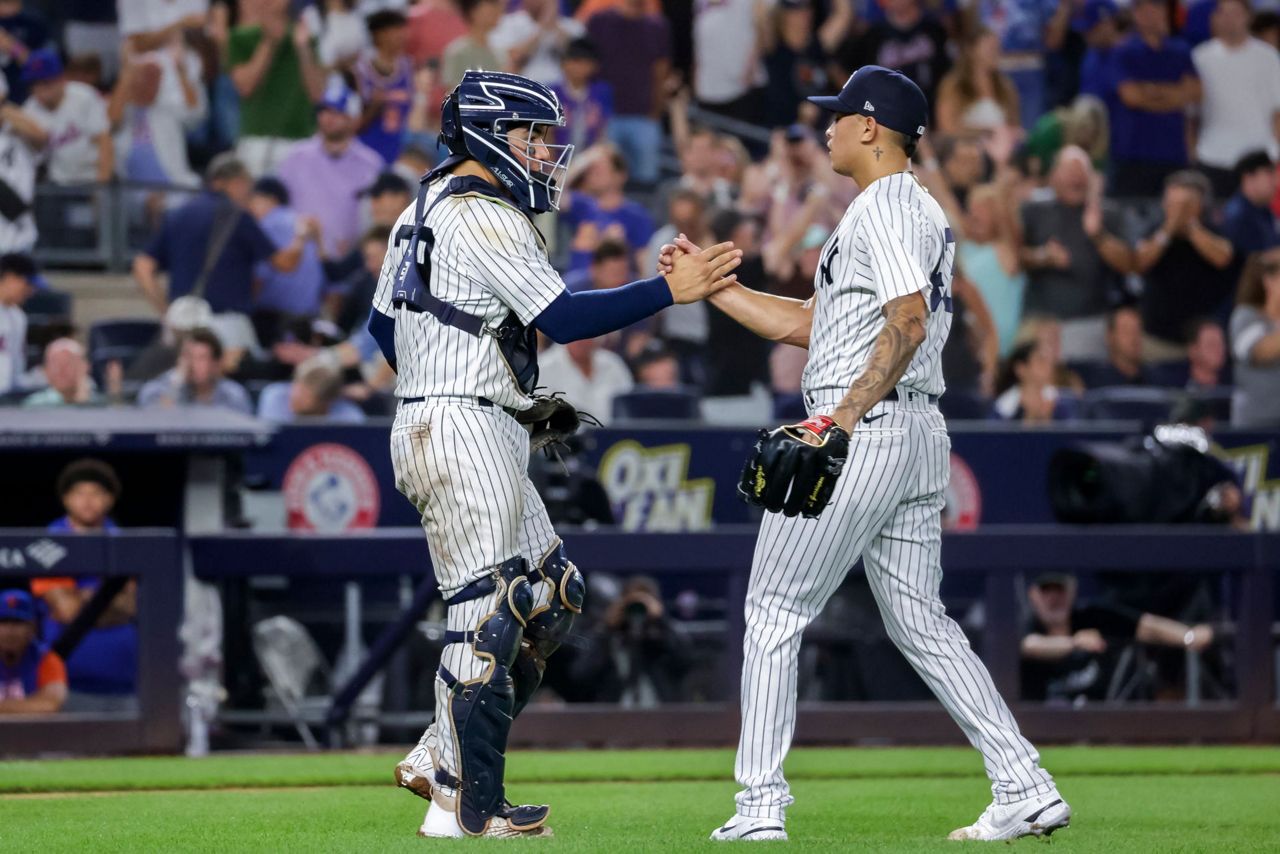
(41, 65)
(890, 97)
(17, 605)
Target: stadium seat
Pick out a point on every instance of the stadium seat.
(47, 306)
(668, 404)
(122, 340)
(1135, 403)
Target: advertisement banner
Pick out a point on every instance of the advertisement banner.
(668, 479)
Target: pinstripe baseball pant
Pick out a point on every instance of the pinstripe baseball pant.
(465, 468)
(887, 510)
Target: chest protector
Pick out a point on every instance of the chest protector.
(517, 343)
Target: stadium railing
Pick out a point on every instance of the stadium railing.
(99, 226)
(1002, 556)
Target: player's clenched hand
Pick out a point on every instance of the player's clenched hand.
(698, 274)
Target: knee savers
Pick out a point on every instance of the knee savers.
(550, 624)
(481, 709)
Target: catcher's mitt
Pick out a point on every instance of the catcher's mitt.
(794, 469)
(550, 421)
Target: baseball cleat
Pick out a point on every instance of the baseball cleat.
(510, 823)
(1039, 816)
(415, 779)
(743, 829)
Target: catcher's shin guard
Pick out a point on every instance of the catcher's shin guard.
(481, 709)
(549, 624)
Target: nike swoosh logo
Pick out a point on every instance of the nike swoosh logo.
(867, 419)
(759, 830)
(1035, 815)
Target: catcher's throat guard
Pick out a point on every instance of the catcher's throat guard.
(793, 469)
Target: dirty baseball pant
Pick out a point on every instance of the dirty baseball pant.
(465, 468)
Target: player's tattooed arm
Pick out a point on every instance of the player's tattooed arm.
(902, 335)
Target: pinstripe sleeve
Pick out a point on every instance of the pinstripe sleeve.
(898, 244)
(507, 257)
(387, 278)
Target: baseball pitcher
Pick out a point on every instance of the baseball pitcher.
(864, 476)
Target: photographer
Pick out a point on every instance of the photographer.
(639, 654)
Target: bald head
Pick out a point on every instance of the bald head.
(1072, 171)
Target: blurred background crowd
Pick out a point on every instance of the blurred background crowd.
(1109, 170)
(196, 197)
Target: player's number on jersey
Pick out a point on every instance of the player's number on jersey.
(938, 295)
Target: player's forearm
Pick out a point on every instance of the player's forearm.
(1046, 647)
(902, 335)
(775, 318)
(590, 314)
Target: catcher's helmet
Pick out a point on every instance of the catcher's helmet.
(475, 120)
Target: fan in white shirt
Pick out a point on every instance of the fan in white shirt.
(589, 375)
(1240, 76)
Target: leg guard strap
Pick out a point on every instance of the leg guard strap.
(474, 590)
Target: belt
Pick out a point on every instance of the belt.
(911, 396)
(482, 401)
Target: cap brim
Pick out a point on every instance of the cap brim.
(828, 102)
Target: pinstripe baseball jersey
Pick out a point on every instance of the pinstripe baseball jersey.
(486, 259)
(892, 241)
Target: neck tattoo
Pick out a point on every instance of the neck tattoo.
(877, 151)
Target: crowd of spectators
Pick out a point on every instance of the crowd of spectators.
(1109, 171)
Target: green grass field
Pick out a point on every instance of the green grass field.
(902, 799)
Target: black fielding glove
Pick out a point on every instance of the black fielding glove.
(793, 469)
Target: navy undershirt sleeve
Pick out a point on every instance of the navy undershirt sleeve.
(588, 314)
(383, 330)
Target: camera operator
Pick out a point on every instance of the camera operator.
(648, 653)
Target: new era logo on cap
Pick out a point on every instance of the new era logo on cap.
(890, 96)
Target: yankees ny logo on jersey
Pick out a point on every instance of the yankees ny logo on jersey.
(826, 263)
